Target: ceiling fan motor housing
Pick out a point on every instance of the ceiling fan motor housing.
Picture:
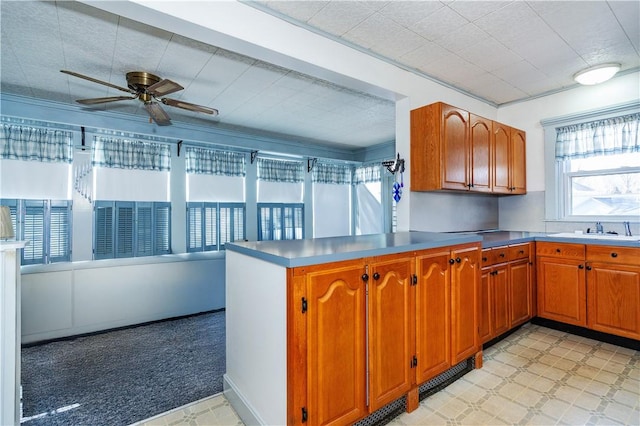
(139, 81)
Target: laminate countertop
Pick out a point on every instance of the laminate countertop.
(292, 253)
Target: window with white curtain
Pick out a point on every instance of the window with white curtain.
(216, 208)
(331, 199)
(132, 212)
(369, 215)
(35, 177)
(280, 196)
(598, 163)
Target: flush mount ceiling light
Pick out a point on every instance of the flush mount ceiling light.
(597, 74)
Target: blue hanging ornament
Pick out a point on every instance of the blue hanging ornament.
(397, 190)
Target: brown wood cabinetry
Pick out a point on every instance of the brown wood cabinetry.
(592, 286)
(452, 149)
(506, 290)
(613, 290)
(562, 290)
(391, 340)
(509, 160)
(364, 333)
(335, 344)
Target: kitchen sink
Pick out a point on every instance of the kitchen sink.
(614, 237)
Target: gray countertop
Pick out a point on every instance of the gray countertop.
(292, 253)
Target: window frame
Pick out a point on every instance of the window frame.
(567, 194)
(200, 208)
(272, 207)
(120, 247)
(46, 209)
(555, 189)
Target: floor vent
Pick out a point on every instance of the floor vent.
(387, 413)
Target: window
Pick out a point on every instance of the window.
(280, 221)
(598, 165)
(131, 229)
(46, 224)
(211, 225)
(603, 186)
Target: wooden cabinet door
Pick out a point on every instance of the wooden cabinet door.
(391, 341)
(499, 282)
(480, 161)
(336, 345)
(518, 162)
(614, 299)
(433, 314)
(455, 148)
(501, 141)
(562, 290)
(484, 306)
(465, 281)
(520, 292)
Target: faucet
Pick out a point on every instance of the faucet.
(627, 228)
(599, 228)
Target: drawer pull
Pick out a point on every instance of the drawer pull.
(588, 268)
(521, 252)
(501, 254)
(614, 254)
(558, 250)
(484, 259)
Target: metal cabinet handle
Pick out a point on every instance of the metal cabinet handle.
(376, 276)
(588, 268)
(458, 260)
(484, 259)
(581, 266)
(451, 261)
(501, 254)
(614, 254)
(558, 250)
(365, 277)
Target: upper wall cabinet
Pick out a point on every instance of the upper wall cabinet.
(452, 149)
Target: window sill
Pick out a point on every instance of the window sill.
(129, 261)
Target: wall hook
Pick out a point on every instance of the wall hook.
(311, 162)
(394, 166)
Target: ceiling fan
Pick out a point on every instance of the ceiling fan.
(148, 88)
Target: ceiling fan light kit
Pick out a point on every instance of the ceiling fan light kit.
(149, 89)
(596, 74)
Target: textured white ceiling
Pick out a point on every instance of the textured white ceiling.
(493, 50)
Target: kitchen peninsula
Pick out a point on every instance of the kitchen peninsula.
(333, 329)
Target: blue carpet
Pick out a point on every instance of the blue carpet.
(124, 376)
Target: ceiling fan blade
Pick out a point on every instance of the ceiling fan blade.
(190, 107)
(75, 74)
(93, 101)
(164, 87)
(157, 113)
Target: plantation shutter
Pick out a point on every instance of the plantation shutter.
(144, 229)
(59, 231)
(211, 233)
(194, 217)
(33, 231)
(124, 229)
(238, 223)
(162, 218)
(104, 212)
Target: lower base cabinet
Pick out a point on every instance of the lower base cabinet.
(506, 289)
(364, 333)
(596, 287)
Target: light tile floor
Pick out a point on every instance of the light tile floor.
(536, 376)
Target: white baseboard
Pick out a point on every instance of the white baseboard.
(243, 408)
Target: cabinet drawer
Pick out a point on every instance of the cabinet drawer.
(495, 255)
(564, 250)
(519, 251)
(486, 258)
(618, 255)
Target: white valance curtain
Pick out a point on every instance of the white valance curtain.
(280, 171)
(212, 162)
(616, 135)
(35, 144)
(367, 173)
(130, 154)
(340, 174)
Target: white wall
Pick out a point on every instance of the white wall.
(73, 298)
